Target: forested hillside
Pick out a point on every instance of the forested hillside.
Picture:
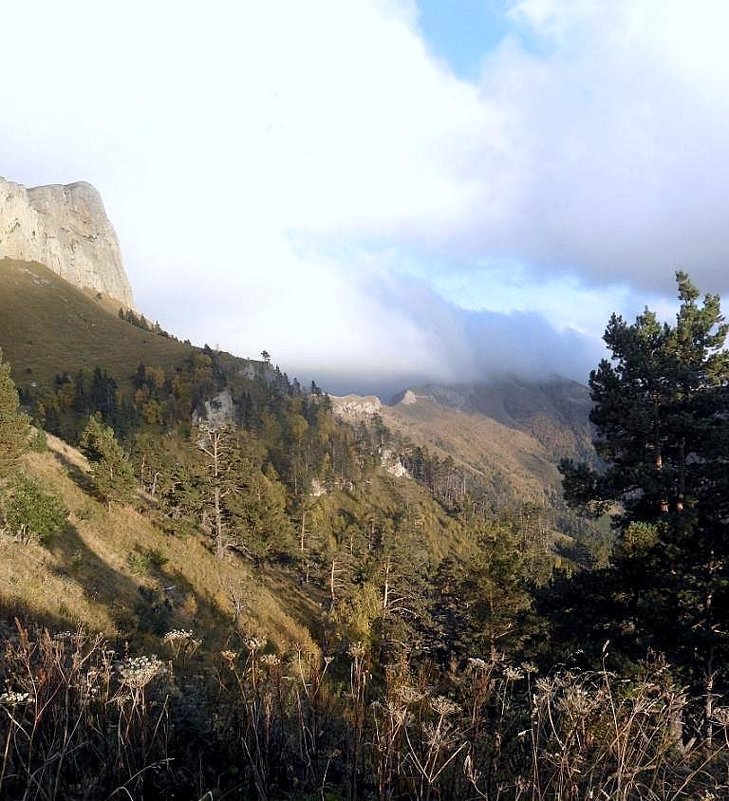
(213, 586)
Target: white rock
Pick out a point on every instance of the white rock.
(408, 398)
(355, 407)
(220, 411)
(66, 229)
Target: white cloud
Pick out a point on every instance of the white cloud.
(623, 120)
(277, 170)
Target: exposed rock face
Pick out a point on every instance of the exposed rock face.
(355, 407)
(408, 398)
(220, 411)
(391, 462)
(66, 229)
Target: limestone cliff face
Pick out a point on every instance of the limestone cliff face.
(352, 408)
(66, 229)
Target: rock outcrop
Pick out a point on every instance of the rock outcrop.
(220, 411)
(66, 229)
(352, 408)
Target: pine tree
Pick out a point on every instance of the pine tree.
(242, 507)
(111, 473)
(495, 587)
(14, 425)
(662, 421)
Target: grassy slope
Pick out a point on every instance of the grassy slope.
(554, 412)
(511, 436)
(95, 573)
(491, 449)
(48, 326)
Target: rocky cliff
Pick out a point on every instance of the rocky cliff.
(66, 229)
(353, 408)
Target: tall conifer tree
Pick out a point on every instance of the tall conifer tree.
(111, 472)
(14, 425)
(662, 420)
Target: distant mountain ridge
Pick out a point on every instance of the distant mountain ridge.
(65, 228)
(554, 411)
(506, 435)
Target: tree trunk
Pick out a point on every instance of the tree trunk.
(709, 698)
(681, 490)
(386, 588)
(219, 534)
(331, 581)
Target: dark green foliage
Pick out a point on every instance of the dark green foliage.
(495, 588)
(14, 425)
(32, 513)
(239, 506)
(64, 409)
(662, 421)
(111, 473)
(660, 415)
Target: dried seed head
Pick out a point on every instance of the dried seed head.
(409, 695)
(356, 650)
(513, 674)
(254, 644)
(11, 698)
(443, 706)
(177, 635)
(138, 672)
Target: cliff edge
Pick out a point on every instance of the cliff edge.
(66, 229)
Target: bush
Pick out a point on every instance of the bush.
(143, 560)
(31, 513)
(38, 441)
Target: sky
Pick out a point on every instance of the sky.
(387, 192)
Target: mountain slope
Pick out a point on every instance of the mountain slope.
(119, 574)
(504, 439)
(491, 450)
(554, 412)
(48, 326)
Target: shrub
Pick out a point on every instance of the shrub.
(32, 513)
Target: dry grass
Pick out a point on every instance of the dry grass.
(79, 721)
(48, 326)
(116, 573)
(481, 444)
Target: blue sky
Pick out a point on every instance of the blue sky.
(462, 32)
(380, 192)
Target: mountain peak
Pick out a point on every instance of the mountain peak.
(64, 227)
